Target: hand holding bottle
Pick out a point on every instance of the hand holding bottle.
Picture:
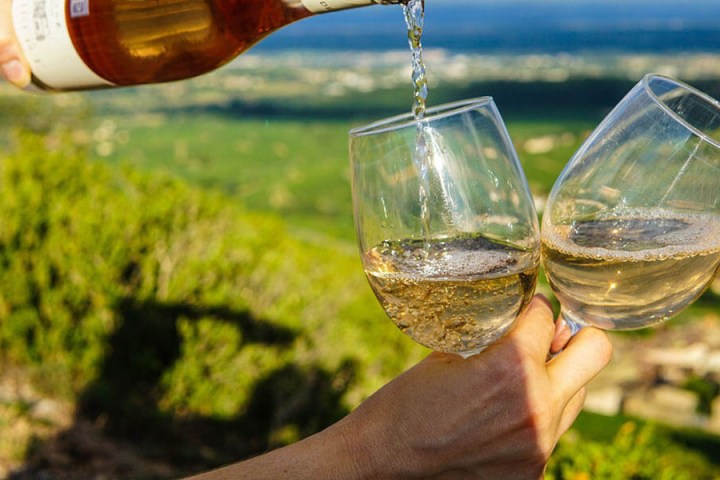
(13, 65)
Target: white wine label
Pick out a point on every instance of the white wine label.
(41, 28)
(320, 6)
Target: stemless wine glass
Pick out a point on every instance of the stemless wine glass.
(631, 233)
(447, 229)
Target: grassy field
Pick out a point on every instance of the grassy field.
(296, 168)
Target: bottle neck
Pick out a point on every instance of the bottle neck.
(324, 6)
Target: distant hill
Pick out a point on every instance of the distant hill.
(638, 26)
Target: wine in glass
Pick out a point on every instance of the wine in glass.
(447, 229)
(631, 232)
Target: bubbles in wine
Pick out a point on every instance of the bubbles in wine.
(633, 268)
(459, 295)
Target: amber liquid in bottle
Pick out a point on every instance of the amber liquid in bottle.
(131, 42)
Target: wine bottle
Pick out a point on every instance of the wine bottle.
(84, 44)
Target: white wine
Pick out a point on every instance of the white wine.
(80, 44)
(633, 269)
(415, 20)
(414, 11)
(459, 295)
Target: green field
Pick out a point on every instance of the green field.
(296, 168)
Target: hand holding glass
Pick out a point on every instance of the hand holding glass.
(446, 225)
(631, 232)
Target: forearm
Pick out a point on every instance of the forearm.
(329, 454)
(498, 414)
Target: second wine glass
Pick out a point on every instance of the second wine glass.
(631, 232)
(446, 225)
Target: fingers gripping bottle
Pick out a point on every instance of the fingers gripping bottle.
(83, 44)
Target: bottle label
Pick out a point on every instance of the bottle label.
(321, 6)
(41, 28)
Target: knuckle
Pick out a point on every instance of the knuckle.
(540, 416)
(608, 345)
(547, 324)
(543, 419)
(545, 451)
(604, 347)
(544, 442)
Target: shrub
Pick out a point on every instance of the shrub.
(171, 312)
(638, 452)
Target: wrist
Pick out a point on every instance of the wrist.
(374, 448)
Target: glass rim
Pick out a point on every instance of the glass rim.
(432, 114)
(707, 98)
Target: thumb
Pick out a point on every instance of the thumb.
(14, 67)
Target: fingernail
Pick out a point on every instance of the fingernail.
(561, 326)
(15, 73)
(563, 335)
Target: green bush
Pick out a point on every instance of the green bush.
(637, 452)
(171, 312)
